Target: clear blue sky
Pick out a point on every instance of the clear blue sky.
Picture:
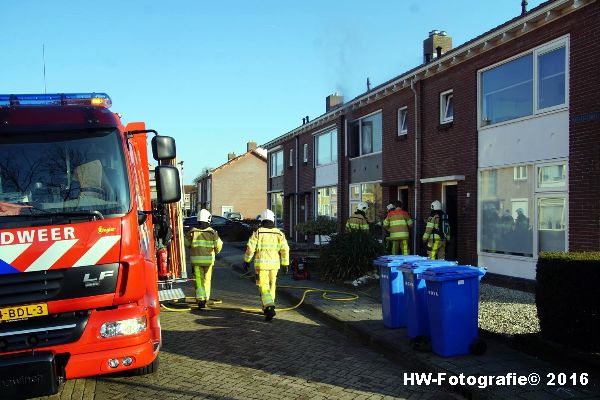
(217, 74)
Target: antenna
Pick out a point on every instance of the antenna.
(44, 63)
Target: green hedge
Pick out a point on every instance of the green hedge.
(568, 298)
(349, 255)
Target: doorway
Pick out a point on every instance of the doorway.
(403, 197)
(450, 201)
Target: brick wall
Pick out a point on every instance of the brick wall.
(241, 184)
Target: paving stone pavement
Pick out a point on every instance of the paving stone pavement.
(363, 319)
(224, 354)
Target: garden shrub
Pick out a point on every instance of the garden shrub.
(567, 298)
(349, 255)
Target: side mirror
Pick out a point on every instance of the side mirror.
(168, 186)
(163, 148)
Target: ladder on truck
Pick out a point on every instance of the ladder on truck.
(176, 261)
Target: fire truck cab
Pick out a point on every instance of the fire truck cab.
(78, 268)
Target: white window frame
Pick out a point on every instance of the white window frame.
(333, 133)
(518, 172)
(535, 52)
(402, 120)
(556, 188)
(305, 148)
(291, 156)
(538, 193)
(316, 199)
(360, 135)
(275, 155)
(445, 97)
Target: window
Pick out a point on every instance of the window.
(551, 78)
(552, 176)
(369, 193)
(277, 205)
(506, 226)
(520, 173)
(291, 163)
(446, 107)
(402, 121)
(326, 148)
(365, 135)
(532, 83)
(551, 224)
(327, 201)
(305, 158)
(277, 164)
(507, 91)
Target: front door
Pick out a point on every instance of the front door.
(451, 208)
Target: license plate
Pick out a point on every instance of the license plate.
(19, 312)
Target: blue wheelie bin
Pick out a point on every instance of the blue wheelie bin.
(453, 304)
(417, 315)
(392, 289)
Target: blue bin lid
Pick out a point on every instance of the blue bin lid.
(451, 273)
(395, 261)
(418, 266)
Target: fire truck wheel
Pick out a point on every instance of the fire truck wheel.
(148, 369)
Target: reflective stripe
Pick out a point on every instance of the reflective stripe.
(399, 235)
(203, 243)
(261, 246)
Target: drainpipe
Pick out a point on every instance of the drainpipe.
(296, 195)
(416, 113)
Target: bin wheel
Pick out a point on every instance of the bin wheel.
(478, 347)
(421, 343)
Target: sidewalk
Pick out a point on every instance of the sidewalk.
(362, 319)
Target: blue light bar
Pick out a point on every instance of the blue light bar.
(57, 99)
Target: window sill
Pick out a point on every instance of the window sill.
(402, 137)
(364, 155)
(444, 126)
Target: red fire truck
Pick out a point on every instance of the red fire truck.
(78, 265)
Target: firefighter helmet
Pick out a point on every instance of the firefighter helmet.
(436, 205)
(362, 206)
(204, 216)
(390, 207)
(267, 215)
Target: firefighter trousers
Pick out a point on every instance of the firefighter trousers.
(399, 244)
(203, 275)
(436, 249)
(266, 281)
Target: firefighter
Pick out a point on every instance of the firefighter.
(358, 221)
(398, 223)
(435, 235)
(270, 250)
(204, 243)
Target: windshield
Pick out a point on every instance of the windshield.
(56, 173)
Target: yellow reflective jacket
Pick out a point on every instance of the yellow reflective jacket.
(397, 223)
(203, 245)
(269, 248)
(357, 222)
(431, 230)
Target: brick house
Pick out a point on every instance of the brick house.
(503, 130)
(239, 185)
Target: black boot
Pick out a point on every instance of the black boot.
(201, 303)
(269, 313)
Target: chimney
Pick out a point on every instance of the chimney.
(436, 45)
(523, 7)
(251, 146)
(333, 101)
(230, 156)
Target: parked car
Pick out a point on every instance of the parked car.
(229, 230)
(233, 215)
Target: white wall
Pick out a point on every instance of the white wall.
(326, 175)
(532, 139)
